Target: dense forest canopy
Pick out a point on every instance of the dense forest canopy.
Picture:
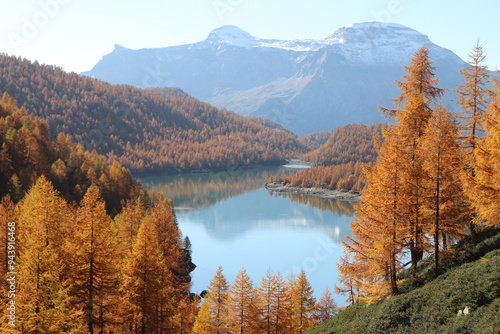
(154, 130)
(27, 152)
(348, 143)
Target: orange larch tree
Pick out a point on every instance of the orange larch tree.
(444, 200)
(304, 303)
(93, 250)
(485, 194)
(419, 95)
(243, 315)
(473, 96)
(212, 317)
(378, 232)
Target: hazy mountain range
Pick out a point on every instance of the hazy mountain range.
(305, 85)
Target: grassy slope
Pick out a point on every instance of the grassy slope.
(470, 279)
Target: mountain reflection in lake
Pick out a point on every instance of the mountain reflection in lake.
(233, 221)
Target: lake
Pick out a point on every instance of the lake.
(233, 221)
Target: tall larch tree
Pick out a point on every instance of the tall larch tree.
(44, 302)
(145, 285)
(93, 250)
(162, 216)
(243, 315)
(304, 303)
(419, 95)
(485, 194)
(473, 96)
(212, 317)
(267, 297)
(373, 252)
(283, 308)
(444, 200)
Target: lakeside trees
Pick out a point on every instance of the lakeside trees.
(73, 277)
(416, 198)
(339, 163)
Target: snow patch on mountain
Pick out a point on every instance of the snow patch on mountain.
(232, 35)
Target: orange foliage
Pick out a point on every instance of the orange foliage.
(345, 177)
(160, 130)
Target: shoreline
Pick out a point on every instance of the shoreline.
(317, 192)
(228, 169)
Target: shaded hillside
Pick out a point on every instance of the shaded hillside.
(316, 139)
(469, 279)
(146, 132)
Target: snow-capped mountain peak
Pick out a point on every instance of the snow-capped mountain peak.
(376, 31)
(232, 35)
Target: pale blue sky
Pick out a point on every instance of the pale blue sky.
(75, 34)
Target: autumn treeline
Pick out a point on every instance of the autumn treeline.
(153, 131)
(277, 305)
(339, 163)
(436, 179)
(79, 271)
(27, 152)
(95, 251)
(345, 177)
(348, 143)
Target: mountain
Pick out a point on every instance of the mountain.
(305, 85)
(148, 131)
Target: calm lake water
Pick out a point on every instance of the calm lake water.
(233, 221)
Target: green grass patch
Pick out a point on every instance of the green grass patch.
(471, 278)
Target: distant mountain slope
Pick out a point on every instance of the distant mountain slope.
(305, 85)
(147, 132)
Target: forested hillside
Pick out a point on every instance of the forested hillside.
(145, 130)
(340, 162)
(73, 234)
(27, 152)
(433, 189)
(352, 142)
